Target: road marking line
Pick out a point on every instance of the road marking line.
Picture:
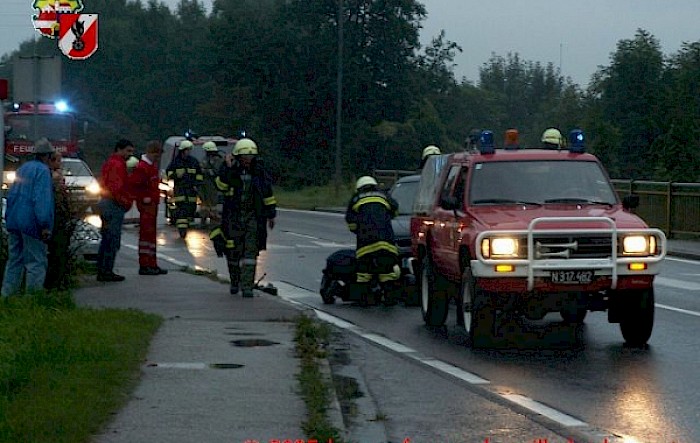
(177, 365)
(683, 260)
(295, 234)
(455, 371)
(677, 284)
(682, 311)
(550, 413)
(387, 343)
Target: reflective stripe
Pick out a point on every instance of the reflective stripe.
(270, 201)
(192, 199)
(230, 244)
(363, 278)
(378, 246)
(365, 200)
(221, 185)
(179, 198)
(191, 171)
(180, 172)
(391, 276)
(199, 177)
(182, 223)
(170, 174)
(352, 227)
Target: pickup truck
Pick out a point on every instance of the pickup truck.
(528, 232)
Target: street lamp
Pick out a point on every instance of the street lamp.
(339, 101)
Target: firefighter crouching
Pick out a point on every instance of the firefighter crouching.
(369, 217)
(186, 174)
(249, 209)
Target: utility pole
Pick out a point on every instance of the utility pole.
(339, 102)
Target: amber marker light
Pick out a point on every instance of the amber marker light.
(505, 268)
(637, 266)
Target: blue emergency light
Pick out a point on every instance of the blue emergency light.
(577, 141)
(486, 144)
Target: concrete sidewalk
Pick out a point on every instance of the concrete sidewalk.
(220, 369)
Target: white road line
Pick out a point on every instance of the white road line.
(331, 244)
(546, 411)
(455, 371)
(178, 365)
(295, 234)
(682, 311)
(682, 260)
(677, 284)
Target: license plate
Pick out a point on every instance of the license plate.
(572, 277)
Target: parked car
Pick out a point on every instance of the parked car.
(404, 192)
(527, 232)
(81, 182)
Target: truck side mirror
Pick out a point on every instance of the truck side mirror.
(450, 203)
(630, 201)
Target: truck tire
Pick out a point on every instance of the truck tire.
(474, 311)
(434, 301)
(637, 320)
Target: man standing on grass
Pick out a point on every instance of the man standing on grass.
(29, 219)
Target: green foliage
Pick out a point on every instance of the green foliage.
(63, 371)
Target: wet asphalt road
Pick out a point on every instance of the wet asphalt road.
(650, 395)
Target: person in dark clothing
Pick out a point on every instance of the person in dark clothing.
(368, 216)
(186, 174)
(210, 164)
(249, 209)
(116, 200)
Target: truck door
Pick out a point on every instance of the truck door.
(446, 228)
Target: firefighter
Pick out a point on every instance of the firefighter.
(209, 193)
(369, 217)
(186, 174)
(249, 209)
(552, 139)
(427, 152)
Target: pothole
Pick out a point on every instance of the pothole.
(225, 366)
(253, 342)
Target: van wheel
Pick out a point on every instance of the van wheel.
(637, 319)
(434, 301)
(474, 311)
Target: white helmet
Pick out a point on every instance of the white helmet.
(185, 144)
(365, 180)
(245, 146)
(430, 150)
(210, 146)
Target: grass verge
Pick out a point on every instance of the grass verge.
(315, 197)
(65, 370)
(315, 389)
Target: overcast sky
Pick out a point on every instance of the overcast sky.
(579, 35)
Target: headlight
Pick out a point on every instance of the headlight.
(499, 247)
(638, 245)
(93, 188)
(11, 176)
(164, 187)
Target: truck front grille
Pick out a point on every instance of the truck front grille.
(570, 246)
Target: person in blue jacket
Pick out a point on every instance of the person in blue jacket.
(29, 218)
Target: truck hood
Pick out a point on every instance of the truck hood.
(519, 217)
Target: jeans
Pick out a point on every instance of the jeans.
(112, 216)
(25, 253)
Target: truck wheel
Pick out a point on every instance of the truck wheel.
(434, 302)
(474, 311)
(638, 319)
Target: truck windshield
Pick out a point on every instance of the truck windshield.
(34, 126)
(540, 182)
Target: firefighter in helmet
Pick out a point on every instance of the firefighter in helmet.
(209, 193)
(187, 176)
(552, 139)
(427, 152)
(368, 216)
(249, 210)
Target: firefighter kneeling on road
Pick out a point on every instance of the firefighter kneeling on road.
(249, 209)
(369, 217)
(186, 174)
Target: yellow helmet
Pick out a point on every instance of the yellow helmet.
(430, 150)
(552, 136)
(245, 146)
(210, 146)
(185, 144)
(132, 162)
(365, 180)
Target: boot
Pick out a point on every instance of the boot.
(234, 272)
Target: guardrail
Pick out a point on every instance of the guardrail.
(672, 207)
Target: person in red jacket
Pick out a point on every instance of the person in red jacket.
(115, 201)
(143, 183)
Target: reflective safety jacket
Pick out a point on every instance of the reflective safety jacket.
(186, 175)
(246, 192)
(369, 217)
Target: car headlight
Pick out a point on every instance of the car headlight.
(165, 187)
(502, 247)
(93, 188)
(11, 176)
(638, 245)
